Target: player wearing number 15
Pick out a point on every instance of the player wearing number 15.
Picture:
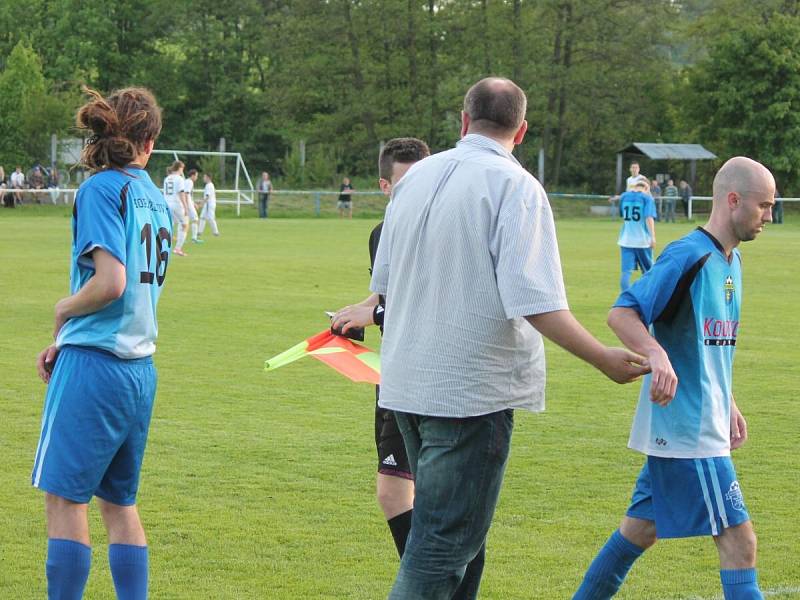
(637, 238)
(100, 374)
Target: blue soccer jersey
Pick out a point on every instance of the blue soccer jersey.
(635, 208)
(691, 300)
(125, 214)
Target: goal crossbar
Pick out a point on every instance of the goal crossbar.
(243, 195)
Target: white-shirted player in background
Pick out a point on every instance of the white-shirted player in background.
(208, 212)
(173, 192)
(188, 202)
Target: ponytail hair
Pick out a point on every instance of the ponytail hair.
(120, 125)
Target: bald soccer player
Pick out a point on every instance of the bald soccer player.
(687, 421)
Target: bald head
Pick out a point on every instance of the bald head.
(742, 175)
(744, 194)
(495, 105)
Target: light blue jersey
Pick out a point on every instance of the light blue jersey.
(635, 208)
(691, 298)
(125, 214)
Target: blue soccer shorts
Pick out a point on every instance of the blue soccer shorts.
(637, 258)
(687, 497)
(94, 426)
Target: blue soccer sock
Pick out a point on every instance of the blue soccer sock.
(740, 584)
(129, 571)
(67, 569)
(608, 569)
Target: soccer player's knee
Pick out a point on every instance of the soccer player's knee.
(395, 495)
(737, 547)
(55, 505)
(750, 549)
(389, 500)
(639, 532)
(745, 548)
(384, 496)
(647, 536)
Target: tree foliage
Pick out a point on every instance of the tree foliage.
(745, 96)
(29, 113)
(344, 75)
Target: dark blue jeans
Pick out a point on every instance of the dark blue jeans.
(458, 467)
(263, 206)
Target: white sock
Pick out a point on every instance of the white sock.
(181, 237)
(194, 230)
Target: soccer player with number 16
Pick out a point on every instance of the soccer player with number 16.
(100, 374)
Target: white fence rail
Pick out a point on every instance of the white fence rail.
(241, 196)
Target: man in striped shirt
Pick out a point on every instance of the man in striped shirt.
(468, 261)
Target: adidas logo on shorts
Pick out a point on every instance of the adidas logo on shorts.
(390, 461)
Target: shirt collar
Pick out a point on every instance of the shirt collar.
(483, 142)
(717, 243)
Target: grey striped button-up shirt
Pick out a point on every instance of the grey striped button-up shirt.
(468, 249)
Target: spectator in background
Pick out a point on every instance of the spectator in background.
(686, 196)
(671, 194)
(6, 198)
(345, 199)
(53, 184)
(18, 183)
(777, 210)
(36, 182)
(264, 191)
(655, 192)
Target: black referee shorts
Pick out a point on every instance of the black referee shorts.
(392, 458)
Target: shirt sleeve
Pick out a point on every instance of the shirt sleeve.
(380, 267)
(99, 222)
(650, 207)
(649, 295)
(525, 253)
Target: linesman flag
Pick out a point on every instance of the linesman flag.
(351, 359)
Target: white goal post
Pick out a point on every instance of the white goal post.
(239, 194)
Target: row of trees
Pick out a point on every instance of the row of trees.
(345, 74)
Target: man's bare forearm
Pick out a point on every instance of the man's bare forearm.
(628, 327)
(561, 327)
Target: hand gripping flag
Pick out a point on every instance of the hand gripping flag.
(351, 359)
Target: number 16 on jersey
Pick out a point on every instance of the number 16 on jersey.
(162, 254)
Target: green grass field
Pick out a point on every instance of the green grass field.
(261, 485)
